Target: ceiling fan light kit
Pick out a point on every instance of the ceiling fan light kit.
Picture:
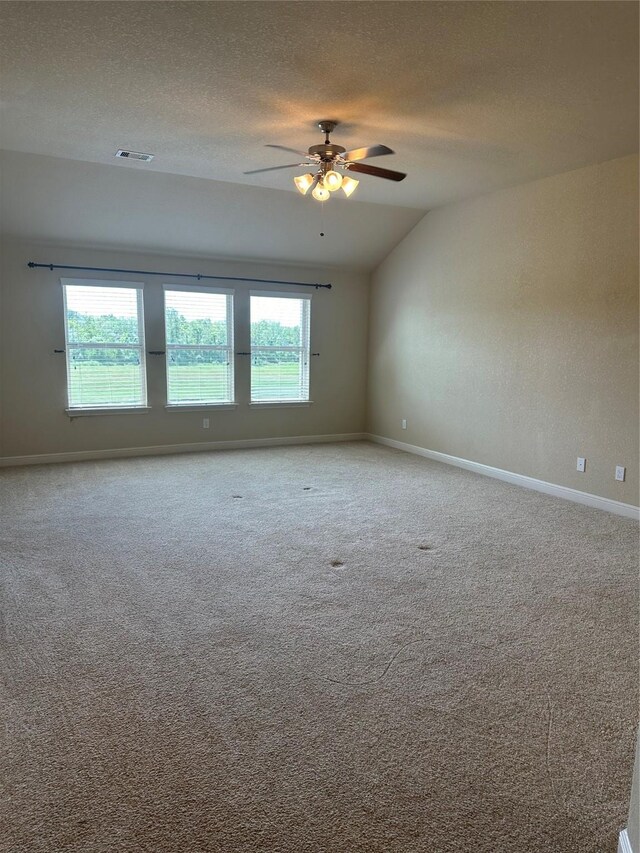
(320, 192)
(332, 180)
(327, 159)
(304, 182)
(348, 185)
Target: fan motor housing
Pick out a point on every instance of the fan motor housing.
(328, 151)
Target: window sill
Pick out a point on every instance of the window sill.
(280, 404)
(198, 407)
(125, 410)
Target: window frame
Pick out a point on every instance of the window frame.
(195, 405)
(304, 349)
(106, 408)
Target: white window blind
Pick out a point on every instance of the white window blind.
(104, 345)
(279, 348)
(199, 344)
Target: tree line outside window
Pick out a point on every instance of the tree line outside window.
(88, 328)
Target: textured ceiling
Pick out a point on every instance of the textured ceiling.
(472, 96)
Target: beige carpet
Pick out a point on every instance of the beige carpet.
(323, 649)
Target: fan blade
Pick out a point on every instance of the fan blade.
(273, 168)
(389, 174)
(363, 153)
(290, 150)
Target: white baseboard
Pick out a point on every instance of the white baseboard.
(165, 449)
(617, 507)
(624, 845)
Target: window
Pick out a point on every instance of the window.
(199, 343)
(104, 344)
(279, 348)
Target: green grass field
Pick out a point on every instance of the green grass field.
(95, 385)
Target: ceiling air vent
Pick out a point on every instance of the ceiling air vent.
(134, 155)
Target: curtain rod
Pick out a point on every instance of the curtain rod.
(33, 265)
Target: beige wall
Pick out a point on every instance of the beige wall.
(33, 385)
(505, 330)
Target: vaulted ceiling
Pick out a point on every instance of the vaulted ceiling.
(472, 96)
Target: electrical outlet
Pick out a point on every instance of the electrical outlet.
(205, 423)
(582, 464)
(621, 472)
(404, 423)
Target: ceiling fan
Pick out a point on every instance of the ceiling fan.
(328, 161)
